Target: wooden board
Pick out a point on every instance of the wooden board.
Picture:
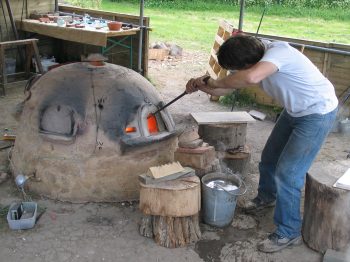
(81, 35)
(143, 178)
(205, 118)
(165, 170)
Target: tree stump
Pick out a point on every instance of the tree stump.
(171, 211)
(326, 209)
(224, 136)
(236, 161)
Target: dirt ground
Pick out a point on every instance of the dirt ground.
(109, 231)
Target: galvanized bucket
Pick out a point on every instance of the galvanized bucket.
(219, 196)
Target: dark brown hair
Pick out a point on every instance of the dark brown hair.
(239, 51)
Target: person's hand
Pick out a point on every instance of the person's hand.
(195, 84)
(191, 86)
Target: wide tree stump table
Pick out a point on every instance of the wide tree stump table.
(327, 209)
(170, 211)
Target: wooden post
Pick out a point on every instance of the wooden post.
(236, 161)
(326, 209)
(224, 136)
(171, 211)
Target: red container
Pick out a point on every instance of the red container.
(115, 25)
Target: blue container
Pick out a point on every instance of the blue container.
(219, 196)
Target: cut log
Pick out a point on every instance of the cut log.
(175, 198)
(223, 137)
(171, 211)
(326, 209)
(171, 232)
(237, 161)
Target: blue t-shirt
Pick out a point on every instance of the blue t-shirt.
(298, 84)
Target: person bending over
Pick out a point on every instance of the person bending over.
(310, 107)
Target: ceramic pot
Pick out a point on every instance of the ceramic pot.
(114, 25)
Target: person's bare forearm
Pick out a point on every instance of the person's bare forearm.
(215, 91)
(244, 78)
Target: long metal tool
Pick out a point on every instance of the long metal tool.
(168, 104)
(261, 19)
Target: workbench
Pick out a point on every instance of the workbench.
(103, 37)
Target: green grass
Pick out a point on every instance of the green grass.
(193, 25)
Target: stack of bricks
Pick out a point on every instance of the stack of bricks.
(193, 152)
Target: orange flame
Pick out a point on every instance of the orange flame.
(152, 124)
(130, 129)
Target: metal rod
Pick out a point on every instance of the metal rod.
(262, 17)
(56, 6)
(139, 62)
(241, 16)
(9, 10)
(312, 47)
(168, 104)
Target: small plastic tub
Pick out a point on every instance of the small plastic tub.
(27, 217)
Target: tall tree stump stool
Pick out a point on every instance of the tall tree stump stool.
(223, 130)
(236, 160)
(224, 136)
(326, 209)
(170, 211)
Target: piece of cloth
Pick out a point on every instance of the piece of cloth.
(298, 84)
(286, 157)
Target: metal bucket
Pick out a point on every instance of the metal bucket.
(219, 196)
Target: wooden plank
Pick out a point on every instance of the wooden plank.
(211, 72)
(213, 54)
(219, 40)
(226, 26)
(148, 180)
(165, 170)
(80, 35)
(17, 42)
(205, 118)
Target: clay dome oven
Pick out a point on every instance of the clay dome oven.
(87, 132)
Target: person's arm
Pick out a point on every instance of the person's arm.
(244, 78)
(239, 79)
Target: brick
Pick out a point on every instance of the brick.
(198, 150)
(191, 144)
(195, 158)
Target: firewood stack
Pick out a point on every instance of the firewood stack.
(170, 200)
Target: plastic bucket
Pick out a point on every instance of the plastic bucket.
(219, 196)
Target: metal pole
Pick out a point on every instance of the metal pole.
(9, 10)
(241, 15)
(56, 6)
(139, 62)
(262, 17)
(312, 47)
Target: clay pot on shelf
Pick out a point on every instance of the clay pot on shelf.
(114, 25)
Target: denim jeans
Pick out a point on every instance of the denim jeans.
(287, 156)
